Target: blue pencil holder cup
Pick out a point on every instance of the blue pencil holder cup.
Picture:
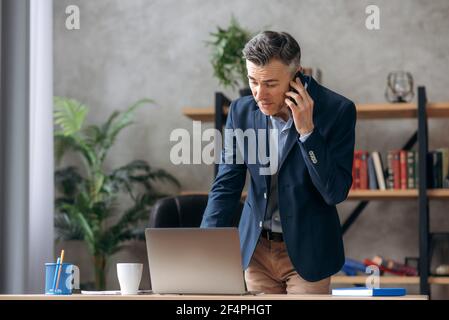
(66, 278)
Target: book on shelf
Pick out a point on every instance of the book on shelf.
(360, 176)
(359, 172)
(379, 168)
(368, 292)
(392, 266)
(351, 267)
(403, 169)
(348, 271)
(437, 168)
(445, 164)
(411, 168)
(354, 267)
(372, 180)
(401, 172)
(396, 169)
(389, 178)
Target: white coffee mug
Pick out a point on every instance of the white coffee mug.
(129, 276)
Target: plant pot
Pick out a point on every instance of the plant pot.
(245, 92)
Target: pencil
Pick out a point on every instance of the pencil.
(56, 273)
(59, 271)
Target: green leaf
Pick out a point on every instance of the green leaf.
(88, 232)
(67, 228)
(124, 119)
(64, 143)
(68, 180)
(116, 123)
(94, 136)
(69, 114)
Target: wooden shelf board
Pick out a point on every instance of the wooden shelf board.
(371, 194)
(382, 194)
(396, 194)
(400, 110)
(438, 109)
(438, 193)
(202, 114)
(386, 110)
(387, 280)
(439, 280)
(364, 111)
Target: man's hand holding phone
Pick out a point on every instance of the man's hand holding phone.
(302, 109)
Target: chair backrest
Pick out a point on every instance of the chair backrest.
(183, 211)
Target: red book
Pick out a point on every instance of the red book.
(369, 262)
(357, 165)
(391, 266)
(403, 170)
(363, 170)
(394, 266)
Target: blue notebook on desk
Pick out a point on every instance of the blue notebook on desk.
(368, 292)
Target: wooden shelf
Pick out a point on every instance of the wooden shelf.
(202, 114)
(386, 110)
(438, 193)
(400, 110)
(372, 194)
(364, 111)
(383, 194)
(438, 109)
(396, 194)
(387, 280)
(439, 280)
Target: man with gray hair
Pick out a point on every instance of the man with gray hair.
(289, 229)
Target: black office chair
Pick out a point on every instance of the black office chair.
(183, 211)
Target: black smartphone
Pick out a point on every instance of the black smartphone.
(303, 81)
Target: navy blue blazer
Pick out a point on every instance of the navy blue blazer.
(313, 177)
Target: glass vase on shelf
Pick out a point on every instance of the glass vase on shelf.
(399, 87)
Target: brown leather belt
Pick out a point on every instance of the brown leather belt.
(272, 236)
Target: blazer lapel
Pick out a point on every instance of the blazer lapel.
(261, 122)
(292, 138)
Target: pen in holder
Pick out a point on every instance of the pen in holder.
(60, 276)
(58, 270)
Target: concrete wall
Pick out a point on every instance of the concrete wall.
(126, 50)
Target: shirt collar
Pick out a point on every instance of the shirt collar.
(279, 123)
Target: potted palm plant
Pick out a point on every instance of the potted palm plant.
(227, 58)
(87, 202)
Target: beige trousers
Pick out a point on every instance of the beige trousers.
(271, 271)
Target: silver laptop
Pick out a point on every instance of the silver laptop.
(195, 260)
